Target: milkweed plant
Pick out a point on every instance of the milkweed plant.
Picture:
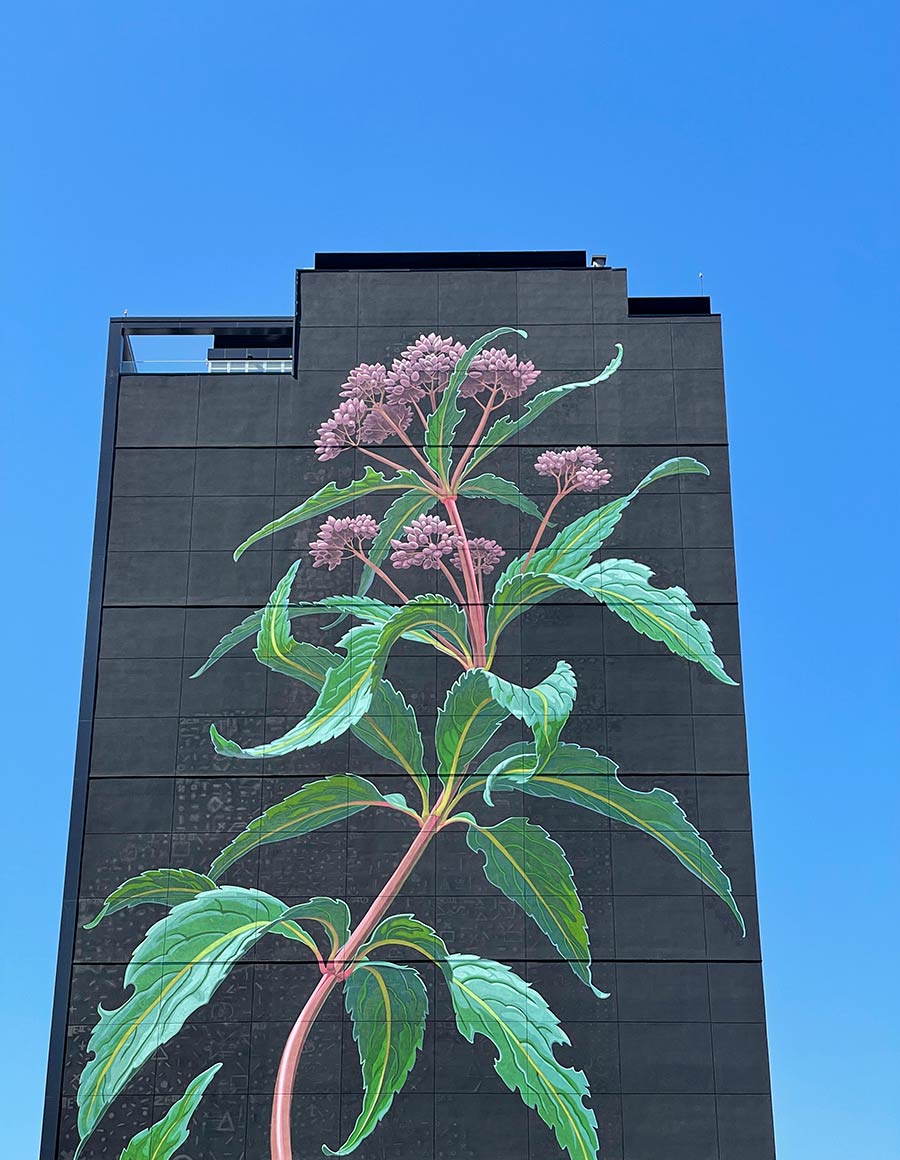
(415, 408)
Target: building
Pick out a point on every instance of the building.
(192, 464)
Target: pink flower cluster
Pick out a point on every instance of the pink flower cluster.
(428, 540)
(377, 402)
(340, 538)
(424, 368)
(575, 470)
(498, 370)
(367, 414)
(485, 555)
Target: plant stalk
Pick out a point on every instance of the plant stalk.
(458, 474)
(474, 608)
(290, 1057)
(538, 535)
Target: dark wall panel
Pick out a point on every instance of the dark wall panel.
(676, 1057)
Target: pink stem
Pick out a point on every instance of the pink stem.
(542, 528)
(474, 609)
(418, 411)
(473, 442)
(290, 1057)
(382, 575)
(380, 459)
(401, 434)
(456, 589)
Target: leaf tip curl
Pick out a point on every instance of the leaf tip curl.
(222, 745)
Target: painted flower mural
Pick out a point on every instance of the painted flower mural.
(406, 421)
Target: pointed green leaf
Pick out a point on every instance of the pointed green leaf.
(502, 490)
(525, 863)
(545, 709)
(447, 415)
(524, 582)
(390, 727)
(408, 933)
(506, 427)
(347, 691)
(344, 698)
(366, 609)
(490, 1000)
(469, 717)
(571, 549)
(248, 627)
(514, 594)
(316, 805)
(388, 1005)
(331, 496)
(581, 776)
(372, 611)
(663, 614)
(332, 914)
(441, 618)
(175, 970)
(162, 887)
(165, 1138)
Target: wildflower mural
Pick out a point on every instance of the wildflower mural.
(406, 421)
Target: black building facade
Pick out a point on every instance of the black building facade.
(214, 891)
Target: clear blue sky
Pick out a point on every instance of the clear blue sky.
(184, 158)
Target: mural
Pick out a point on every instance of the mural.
(406, 421)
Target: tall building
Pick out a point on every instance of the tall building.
(542, 624)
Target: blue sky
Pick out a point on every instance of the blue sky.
(183, 159)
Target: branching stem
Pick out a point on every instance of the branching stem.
(474, 609)
(457, 592)
(542, 527)
(382, 575)
(458, 474)
(290, 1058)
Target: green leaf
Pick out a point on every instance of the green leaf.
(389, 727)
(344, 698)
(502, 490)
(441, 618)
(663, 614)
(331, 496)
(403, 930)
(525, 863)
(347, 691)
(398, 741)
(522, 584)
(545, 709)
(388, 1005)
(164, 1138)
(581, 776)
(405, 508)
(248, 627)
(316, 805)
(175, 971)
(490, 1000)
(365, 608)
(332, 914)
(514, 594)
(506, 427)
(162, 887)
(447, 415)
(391, 730)
(469, 717)
(571, 549)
